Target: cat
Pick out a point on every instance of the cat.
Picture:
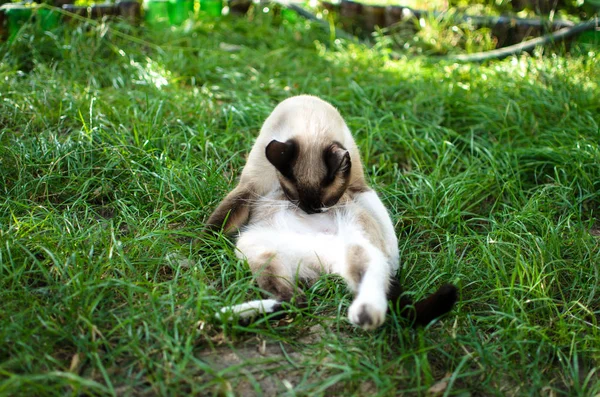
(302, 208)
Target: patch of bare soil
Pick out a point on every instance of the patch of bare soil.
(262, 368)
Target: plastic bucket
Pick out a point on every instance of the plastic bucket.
(156, 13)
(180, 11)
(212, 7)
(17, 16)
(47, 18)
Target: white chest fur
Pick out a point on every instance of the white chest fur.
(293, 244)
(278, 226)
(299, 222)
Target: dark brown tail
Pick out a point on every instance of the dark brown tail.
(425, 310)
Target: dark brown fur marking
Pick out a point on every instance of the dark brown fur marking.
(280, 288)
(337, 160)
(312, 180)
(232, 212)
(373, 231)
(364, 318)
(272, 278)
(283, 155)
(425, 310)
(436, 304)
(358, 187)
(333, 192)
(357, 259)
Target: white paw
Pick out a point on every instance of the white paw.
(367, 314)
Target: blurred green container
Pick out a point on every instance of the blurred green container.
(17, 16)
(289, 15)
(212, 7)
(589, 41)
(156, 13)
(180, 11)
(3, 31)
(47, 18)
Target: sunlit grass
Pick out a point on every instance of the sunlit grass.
(112, 153)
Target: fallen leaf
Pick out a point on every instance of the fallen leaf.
(75, 362)
(262, 347)
(200, 326)
(439, 387)
(285, 321)
(288, 385)
(218, 339)
(230, 47)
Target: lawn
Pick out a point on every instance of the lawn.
(116, 144)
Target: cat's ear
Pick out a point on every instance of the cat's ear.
(232, 212)
(281, 155)
(337, 159)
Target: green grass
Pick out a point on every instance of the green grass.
(114, 151)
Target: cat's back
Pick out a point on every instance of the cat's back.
(304, 117)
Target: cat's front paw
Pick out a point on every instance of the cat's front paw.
(367, 315)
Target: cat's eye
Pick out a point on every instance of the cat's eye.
(327, 181)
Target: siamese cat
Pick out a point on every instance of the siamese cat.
(303, 208)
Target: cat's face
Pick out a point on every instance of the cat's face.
(313, 178)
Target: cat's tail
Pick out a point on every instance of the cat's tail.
(425, 310)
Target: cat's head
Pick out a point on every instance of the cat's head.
(314, 177)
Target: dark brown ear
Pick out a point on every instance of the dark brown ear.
(281, 155)
(337, 160)
(232, 212)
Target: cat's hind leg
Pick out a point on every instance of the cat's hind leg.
(273, 276)
(367, 274)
